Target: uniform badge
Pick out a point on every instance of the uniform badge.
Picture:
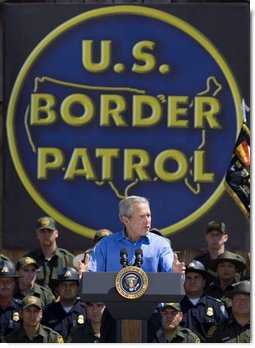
(197, 340)
(5, 269)
(68, 274)
(32, 300)
(29, 260)
(45, 222)
(60, 339)
(80, 319)
(15, 316)
(209, 312)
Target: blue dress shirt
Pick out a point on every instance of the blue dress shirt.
(157, 253)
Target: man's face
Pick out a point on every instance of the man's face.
(194, 284)
(31, 316)
(47, 237)
(68, 290)
(215, 239)
(171, 318)
(95, 311)
(241, 304)
(7, 286)
(139, 223)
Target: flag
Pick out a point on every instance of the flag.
(238, 174)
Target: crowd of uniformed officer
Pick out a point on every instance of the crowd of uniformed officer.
(44, 288)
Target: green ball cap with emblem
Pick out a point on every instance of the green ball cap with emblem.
(26, 261)
(216, 225)
(46, 222)
(174, 305)
(31, 301)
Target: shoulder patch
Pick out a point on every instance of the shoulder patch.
(211, 331)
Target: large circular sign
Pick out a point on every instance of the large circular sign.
(123, 100)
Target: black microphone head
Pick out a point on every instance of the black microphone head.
(139, 252)
(123, 251)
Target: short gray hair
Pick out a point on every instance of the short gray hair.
(126, 205)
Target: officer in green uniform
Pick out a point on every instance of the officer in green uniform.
(235, 329)
(49, 256)
(31, 330)
(26, 267)
(170, 331)
(226, 266)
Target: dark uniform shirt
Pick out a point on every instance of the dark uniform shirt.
(44, 335)
(216, 292)
(47, 274)
(206, 313)
(45, 295)
(229, 331)
(9, 318)
(83, 334)
(182, 335)
(58, 319)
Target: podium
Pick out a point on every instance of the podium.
(131, 315)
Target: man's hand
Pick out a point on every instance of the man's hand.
(83, 266)
(178, 267)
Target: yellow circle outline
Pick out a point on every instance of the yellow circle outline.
(93, 14)
(122, 274)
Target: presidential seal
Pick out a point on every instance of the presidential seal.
(131, 282)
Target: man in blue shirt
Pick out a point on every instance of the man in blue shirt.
(135, 215)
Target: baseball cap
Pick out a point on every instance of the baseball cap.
(100, 234)
(216, 225)
(31, 301)
(174, 305)
(46, 222)
(25, 261)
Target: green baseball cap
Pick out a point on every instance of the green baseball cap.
(174, 305)
(216, 225)
(31, 301)
(25, 261)
(46, 222)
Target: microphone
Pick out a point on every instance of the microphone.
(124, 257)
(138, 258)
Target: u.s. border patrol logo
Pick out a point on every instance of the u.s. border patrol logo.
(131, 282)
(108, 105)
